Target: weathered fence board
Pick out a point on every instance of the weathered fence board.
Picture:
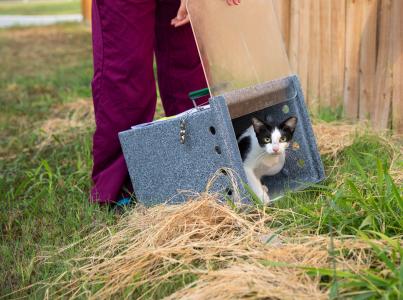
(397, 100)
(325, 53)
(294, 34)
(304, 34)
(384, 67)
(354, 11)
(367, 58)
(283, 11)
(314, 54)
(338, 38)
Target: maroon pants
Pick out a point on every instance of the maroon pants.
(126, 35)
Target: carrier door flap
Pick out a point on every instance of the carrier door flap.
(240, 46)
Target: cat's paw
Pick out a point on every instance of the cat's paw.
(266, 198)
(265, 195)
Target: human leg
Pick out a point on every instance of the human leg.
(123, 85)
(178, 63)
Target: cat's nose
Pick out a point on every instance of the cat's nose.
(276, 148)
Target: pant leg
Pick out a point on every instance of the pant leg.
(123, 85)
(178, 63)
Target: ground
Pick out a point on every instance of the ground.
(46, 125)
(40, 7)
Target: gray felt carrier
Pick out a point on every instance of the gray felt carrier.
(161, 167)
(248, 72)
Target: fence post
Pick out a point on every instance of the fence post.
(397, 60)
(86, 10)
(384, 68)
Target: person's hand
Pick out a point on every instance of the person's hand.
(182, 17)
(233, 2)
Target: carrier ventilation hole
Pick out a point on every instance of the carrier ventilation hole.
(217, 149)
(286, 109)
(301, 163)
(295, 146)
(223, 172)
(228, 192)
(212, 130)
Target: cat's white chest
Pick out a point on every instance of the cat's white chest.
(269, 165)
(265, 164)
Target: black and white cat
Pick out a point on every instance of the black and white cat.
(262, 147)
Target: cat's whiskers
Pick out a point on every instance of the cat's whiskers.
(261, 155)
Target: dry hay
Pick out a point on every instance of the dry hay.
(334, 137)
(55, 126)
(396, 166)
(73, 115)
(69, 116)
(51, 32)
(234, 256)
(249, 281)
(66, 121)
(64, 124)
(30, 51)
(81, 109)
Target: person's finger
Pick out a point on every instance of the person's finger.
(179, 23)
(182, 12)
(181, 15)
(233, 2)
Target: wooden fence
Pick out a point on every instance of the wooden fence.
(347, 53)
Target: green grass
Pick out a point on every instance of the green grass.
(40, 7)
(328, 114)
(43, 189)
(360, 194)
(46, 164)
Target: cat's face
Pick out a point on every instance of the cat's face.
(274, 138)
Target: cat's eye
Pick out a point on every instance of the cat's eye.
(283, 139)
(267, 140)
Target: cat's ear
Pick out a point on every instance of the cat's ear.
(289, 125)
(257, 124)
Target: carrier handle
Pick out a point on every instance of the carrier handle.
(198, 94)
